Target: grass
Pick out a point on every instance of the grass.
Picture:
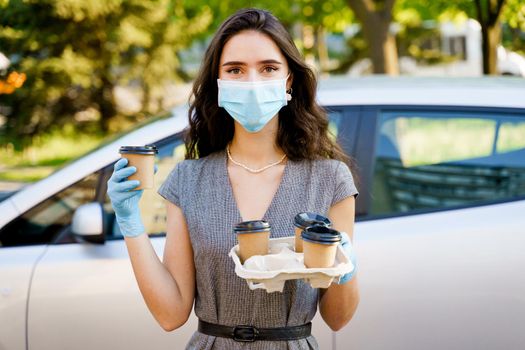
(49, 152)
(44, 155)
(30, 174)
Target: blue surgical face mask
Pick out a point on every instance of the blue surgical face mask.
(252, 103)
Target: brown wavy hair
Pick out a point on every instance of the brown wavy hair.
(303, 124)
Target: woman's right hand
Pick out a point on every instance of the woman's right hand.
(124, 200)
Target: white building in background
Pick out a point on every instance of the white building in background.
(462, 40)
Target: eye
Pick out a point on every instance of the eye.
(270, 69)
(234, 71)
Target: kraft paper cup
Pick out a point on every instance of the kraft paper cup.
(320, 246)
(143, 158)
(253, 237)
(305, 220)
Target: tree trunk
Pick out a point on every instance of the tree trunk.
(491, 38)
(383, 51)
(322, 50)
(375, 18)
(490, 32)
(106, 104)
(146, 98)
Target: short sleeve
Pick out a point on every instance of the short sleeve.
(344, 184)
(170, 188)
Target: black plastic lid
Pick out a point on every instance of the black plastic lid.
(321, 234)
(255, 226)
(304, 220)
(148, 149)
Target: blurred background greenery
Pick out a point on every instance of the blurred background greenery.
(75, 71)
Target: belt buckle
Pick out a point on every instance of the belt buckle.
(245, 333)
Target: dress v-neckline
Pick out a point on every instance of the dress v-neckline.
(231, 196)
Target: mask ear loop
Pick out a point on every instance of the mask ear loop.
(289, 91)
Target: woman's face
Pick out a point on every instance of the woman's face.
(252, 56)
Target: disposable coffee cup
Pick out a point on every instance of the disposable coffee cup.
(253, 237)
(305, 220)
(320, 246)
(143, 158)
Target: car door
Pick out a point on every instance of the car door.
(16, 267)
(440, 246)
(85, 295)
(23, 242)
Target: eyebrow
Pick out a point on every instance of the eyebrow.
(239, 63)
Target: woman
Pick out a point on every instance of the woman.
(257, 148)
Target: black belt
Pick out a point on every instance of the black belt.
(251, 334)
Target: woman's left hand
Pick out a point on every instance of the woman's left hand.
(349, 250)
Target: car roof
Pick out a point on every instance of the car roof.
(386, 90)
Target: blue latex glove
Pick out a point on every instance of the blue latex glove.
(349, 250)
(124, 201)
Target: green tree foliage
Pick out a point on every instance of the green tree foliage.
(75, 52)
(513, 18)
(307, 20)
(418, 33)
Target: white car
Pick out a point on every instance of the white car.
(440, 232)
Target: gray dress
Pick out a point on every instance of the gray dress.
(202, 189)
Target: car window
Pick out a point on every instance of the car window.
(43, 222)
(437, 160)
(152, 205)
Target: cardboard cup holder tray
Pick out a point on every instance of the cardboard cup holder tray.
(273, 281)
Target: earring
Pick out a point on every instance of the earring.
(289, 94)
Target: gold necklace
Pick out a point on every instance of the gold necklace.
(255, 171)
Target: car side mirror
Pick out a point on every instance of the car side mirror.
(88, 223)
